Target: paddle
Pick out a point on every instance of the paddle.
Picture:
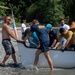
(13, 20)
(14, 25)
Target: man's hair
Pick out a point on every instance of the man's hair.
(27, 31)
(22, 21)
(61, 20)
(5, 18)
(35, 21)
(61, 30)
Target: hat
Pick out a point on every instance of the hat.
(48, 26)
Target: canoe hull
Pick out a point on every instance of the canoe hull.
(60, 59)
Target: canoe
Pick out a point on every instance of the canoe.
(61, 59)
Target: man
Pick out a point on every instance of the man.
(42, 34)
(6, 41)
(23, 27)
(66, 27)
(52, 36)
(67, 35)
(72, 28)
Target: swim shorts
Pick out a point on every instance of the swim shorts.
(44, 47)
(9, 49)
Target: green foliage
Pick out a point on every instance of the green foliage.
(2, 11)
(47, 11)
(69, 8)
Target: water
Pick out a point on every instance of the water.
(10, 70)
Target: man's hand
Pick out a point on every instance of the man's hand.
(63, 47)
(54, 48)
(38, 46)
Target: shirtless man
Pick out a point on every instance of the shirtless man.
(6, 41)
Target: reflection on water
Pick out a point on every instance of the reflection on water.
(18, 71)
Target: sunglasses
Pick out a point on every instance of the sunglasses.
(9, 19)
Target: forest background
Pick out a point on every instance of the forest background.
(46, 11)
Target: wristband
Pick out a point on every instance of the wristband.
(14, 25)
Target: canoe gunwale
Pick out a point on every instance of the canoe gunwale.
(19, 41)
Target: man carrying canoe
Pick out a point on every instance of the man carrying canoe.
(66, 34)
(42, 34)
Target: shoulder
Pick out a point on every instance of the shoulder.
(70, 31)
(53, 31)
(59, 27)
(22, 24)
(5, 26)
(66, 25)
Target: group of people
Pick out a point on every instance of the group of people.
(40, 36)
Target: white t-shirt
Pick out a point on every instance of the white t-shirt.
(23, 27)
(65, 26)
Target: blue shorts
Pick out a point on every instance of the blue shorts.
(44, 47)
(9, 49)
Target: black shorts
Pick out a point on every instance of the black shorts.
(44, 47)
(9, 49)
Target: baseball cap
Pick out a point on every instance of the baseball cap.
(48, 26)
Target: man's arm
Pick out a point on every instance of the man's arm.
(54, 42)
(27, 36)
(66, 44)
(57, 44)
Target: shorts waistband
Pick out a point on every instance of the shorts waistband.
(6, 39)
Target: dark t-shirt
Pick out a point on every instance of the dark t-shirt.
(41, 32)
(52, 36)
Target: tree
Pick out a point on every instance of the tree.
(46, 11)
(2, 11)
(69, 8)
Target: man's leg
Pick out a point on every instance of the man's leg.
(38, 52)
(63, 41)
(13, 54)
(47, 55)
(14, 58)
(5, 59)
